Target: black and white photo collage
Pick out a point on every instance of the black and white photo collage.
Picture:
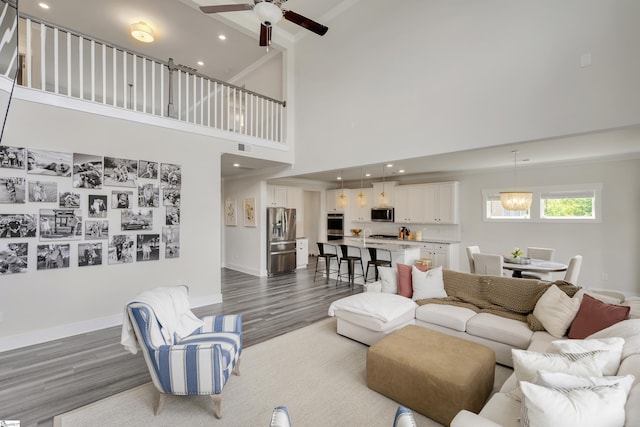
(67, 201)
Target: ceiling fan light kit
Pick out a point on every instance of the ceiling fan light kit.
(269, 12)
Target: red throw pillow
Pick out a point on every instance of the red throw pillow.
(595, 315)
(405, 285)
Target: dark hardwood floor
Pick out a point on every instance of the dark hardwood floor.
(44, 380)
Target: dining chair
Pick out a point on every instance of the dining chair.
(471, 250)
(573, 270)
(489, 264)
(545, 254)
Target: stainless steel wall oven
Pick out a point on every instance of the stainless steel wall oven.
(335, 226)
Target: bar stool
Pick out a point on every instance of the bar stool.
(327, 252)
(351, 262)
(377, 260)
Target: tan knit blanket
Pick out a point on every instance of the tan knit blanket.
(502, 296)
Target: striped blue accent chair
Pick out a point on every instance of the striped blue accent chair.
(197, 364)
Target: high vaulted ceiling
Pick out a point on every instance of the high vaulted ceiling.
(187, 35)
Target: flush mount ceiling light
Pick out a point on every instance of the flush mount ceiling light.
(142, 32)
(516, 200)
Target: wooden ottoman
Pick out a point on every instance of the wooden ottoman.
(430, 372)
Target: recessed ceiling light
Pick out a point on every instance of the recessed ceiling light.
(339, 178)
(367, 174)
(401, 171)
(200, 63)
(222, 37)
(43, 5)
(390, 165)
(236, 165)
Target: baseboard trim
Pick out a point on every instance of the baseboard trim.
(13, 342)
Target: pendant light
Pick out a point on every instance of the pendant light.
(516, 200)
(362, 198)
(343, 200)
(382, 197)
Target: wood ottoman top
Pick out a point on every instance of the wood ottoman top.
(430, 372)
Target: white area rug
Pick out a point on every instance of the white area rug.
(317, 374)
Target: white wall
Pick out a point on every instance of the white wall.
(611, 247)
(437, 76)
(41, 305)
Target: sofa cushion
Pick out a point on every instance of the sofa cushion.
(405, 288)
(600, 406)
(556, 310)
(562, 380)
(595, 315)
(384, 307)
(448, 316)
(627, 329)
(612, 346)
(374, 324)
(500, 329)
(526, 365)
(389, 279)
(503, 410)
(427, 284)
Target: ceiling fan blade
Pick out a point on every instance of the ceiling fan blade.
(226, 8)
(265, 35)
(305, 22)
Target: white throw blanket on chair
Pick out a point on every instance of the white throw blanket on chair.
(171, 307)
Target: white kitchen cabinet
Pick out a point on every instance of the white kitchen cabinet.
(389, 191)
(409, 204)
(361, 214)
(441, 203)
(302, 252)
(332, 200)
(277, 196)
(443, 255)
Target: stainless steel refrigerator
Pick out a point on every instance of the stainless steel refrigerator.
(281, 240)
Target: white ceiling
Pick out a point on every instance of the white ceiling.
(187, 35)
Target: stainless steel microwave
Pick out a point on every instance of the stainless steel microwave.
(382, 214)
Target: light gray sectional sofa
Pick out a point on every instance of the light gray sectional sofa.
(502, 313)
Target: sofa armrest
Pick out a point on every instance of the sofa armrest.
(373, 287)
(466, 418)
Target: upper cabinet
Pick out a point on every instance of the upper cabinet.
(389, 191)
(441, 203)
(276, 196)
(332, 200)
(361, 213)
(410, 204)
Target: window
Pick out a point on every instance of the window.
(559, 203)
(577, 204)
(496, 211)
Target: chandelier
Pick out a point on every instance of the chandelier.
(516, 200)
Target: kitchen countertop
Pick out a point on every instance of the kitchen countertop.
(405, 241)
(392, 245)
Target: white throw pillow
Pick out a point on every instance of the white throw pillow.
(526, 365)
(562, 380)
(627, 329)
(556, 310)
(599, 406)
(389, 278)
(612, 347)
(427, 284)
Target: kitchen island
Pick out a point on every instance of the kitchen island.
(401, 253)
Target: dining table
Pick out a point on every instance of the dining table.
(532, 265)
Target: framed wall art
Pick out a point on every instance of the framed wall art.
(230, 214)
(249, 210)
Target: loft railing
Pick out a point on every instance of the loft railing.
(66, 63)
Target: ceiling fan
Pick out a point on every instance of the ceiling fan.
(269, 12)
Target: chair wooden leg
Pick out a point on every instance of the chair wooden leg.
(217, 404)
(160, 404)
(236, 369)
